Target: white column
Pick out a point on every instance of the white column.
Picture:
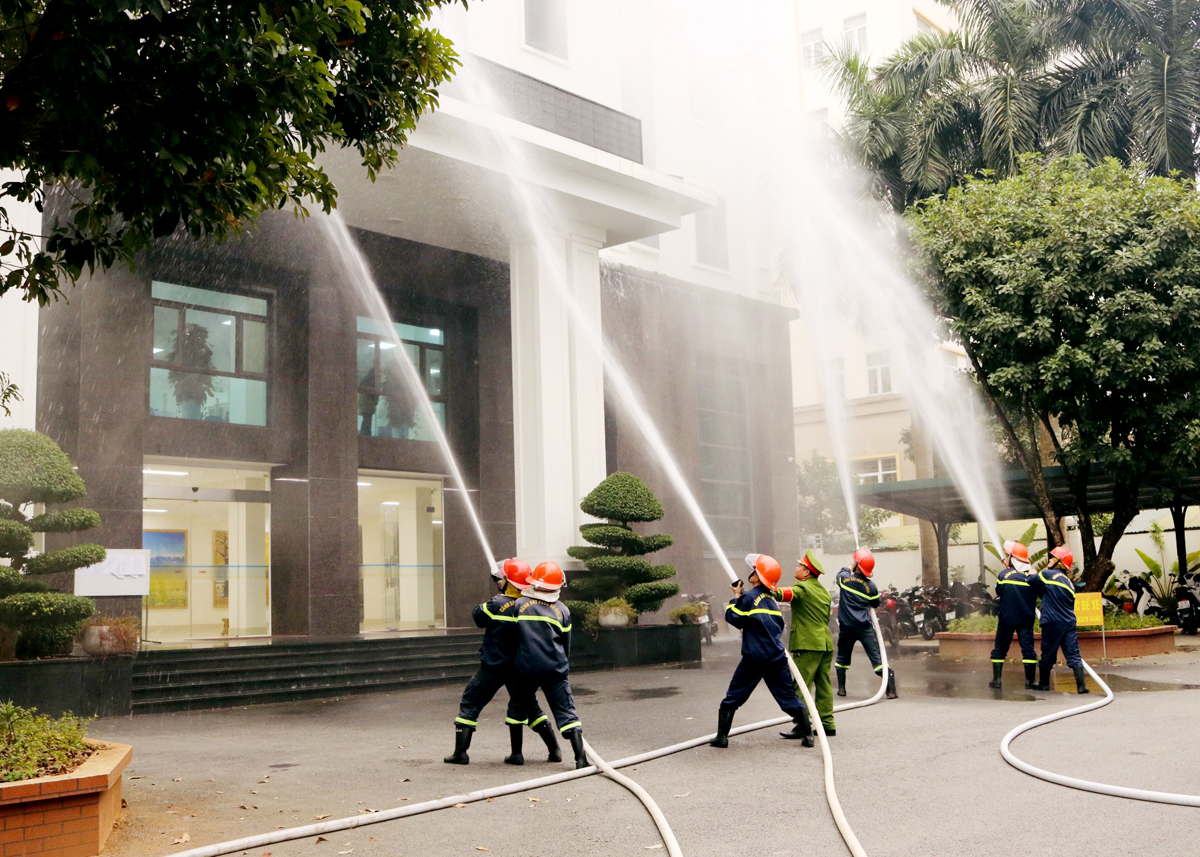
(558, 393)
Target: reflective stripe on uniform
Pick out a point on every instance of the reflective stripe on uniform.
(842, 666)
(1012, 582)
(1001, 660)
(879, 668)
(498, 618)
(1025, 661)
(512, 722)
(465, 722)
(536, 618)
(755, 610)
(574, 724)
(535, 724)
(1045, 579)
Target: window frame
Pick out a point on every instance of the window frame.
(709, 367)
(879, 470)
(565, 56)
(422, 369)
(876, 372)
(855, 36)
(812, 50)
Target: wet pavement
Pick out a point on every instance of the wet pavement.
(918, 775)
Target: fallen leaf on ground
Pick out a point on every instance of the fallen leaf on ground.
(253, 792)
(220, 792)
(182, 839)
(652, 847)
(481, 848)
(689, 718)
(459, 805)
(319, 817)
(172, 812)
(489, 800)
(322, 838)
(347, 851)
(373, 839)
(534, 799)
(176, 779)
(137, 778)
(406, 780)
(685, 794)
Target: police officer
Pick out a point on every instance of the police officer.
(810, 642)
(1018, 599)
(543, 646)
(858, 595)
(1058, 619)
(758, 616)
(496, 657)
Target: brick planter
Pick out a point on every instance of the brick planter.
(1121, 644)
(69, 815)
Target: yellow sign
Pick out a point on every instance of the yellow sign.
(1089, 609)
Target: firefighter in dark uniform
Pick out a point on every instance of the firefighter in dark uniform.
(858, 594)
(496, 655)
(543, 645)
(1018, 606)
(1058, 619)
(758, 616)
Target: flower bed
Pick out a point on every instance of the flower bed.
(68, 815)
(1135, 643)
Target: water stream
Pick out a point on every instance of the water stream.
(359, 275)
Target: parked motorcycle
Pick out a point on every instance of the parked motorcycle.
(1187, 598)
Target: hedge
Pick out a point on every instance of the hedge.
(33, 469)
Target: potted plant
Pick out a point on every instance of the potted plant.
(192, 385)
(105, 635)
(615, 613)
(689, 614)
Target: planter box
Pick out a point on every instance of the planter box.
(88, 687)
(69, 815)
(641, 645)
(1120, 644)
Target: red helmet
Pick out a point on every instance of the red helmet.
(546, 581)
(1063, 554)
(768, 570)
(1019, 554)
(516, 572)
(865, 560)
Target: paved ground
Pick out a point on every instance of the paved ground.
(920, 775)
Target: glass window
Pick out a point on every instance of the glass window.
(210, 355)
(546, 26)
(726, 494)
(879, 373)
(837, 378)
(854, 32)
(712, 247)
(874, 470)
(812, 48)
(923, 24)
(386, 404)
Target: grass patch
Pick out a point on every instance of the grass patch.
(1112, 622)
(34, 745)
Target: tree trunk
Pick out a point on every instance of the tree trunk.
(1097, 570)
(942, 534)
(1178, 514)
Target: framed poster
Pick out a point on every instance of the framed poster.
(168, 551)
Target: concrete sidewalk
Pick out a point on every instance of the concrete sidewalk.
(919, 775)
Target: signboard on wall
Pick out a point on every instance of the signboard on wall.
(123, 572)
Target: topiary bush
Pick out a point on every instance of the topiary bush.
(46, 622)
(614, 567)
(34, 470)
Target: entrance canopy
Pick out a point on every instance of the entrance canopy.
(939, 501)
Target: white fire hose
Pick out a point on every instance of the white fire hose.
(1085, 785)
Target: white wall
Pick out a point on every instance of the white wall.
(18, 328)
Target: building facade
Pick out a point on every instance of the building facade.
(237, 409)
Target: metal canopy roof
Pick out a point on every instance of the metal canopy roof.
(939, 501)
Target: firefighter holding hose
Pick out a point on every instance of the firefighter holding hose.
(757, 615)
(809, 640)
(858, 595)
(1018, 599)
(496, 657)
(1058, 619)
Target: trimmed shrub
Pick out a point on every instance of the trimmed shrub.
(33, 469)
(65, 521)
(614, 567)
(64, 559)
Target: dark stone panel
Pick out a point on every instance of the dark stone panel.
(100, 687)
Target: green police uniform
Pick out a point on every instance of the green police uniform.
(810, 642)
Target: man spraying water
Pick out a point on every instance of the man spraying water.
(858, 595)
(1018, 600)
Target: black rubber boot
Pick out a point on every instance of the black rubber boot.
(841, 677)
(1044, 678)
(1031, 676)
(997, 672)
(829, 731)
(891, 685)
(802, 730)
(546, 731)
(462, 740)
(724, 722)
(575, 736)
(515, 737)
(1080, 680)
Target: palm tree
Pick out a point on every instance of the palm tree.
(1128, 84)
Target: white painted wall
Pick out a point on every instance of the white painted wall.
(18, 328)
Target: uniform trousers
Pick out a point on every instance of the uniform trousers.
(557, 690)
(1004, 635)
(1060, 635)
(847, 637)
(815, 666)
(777, 677)
(480, 690)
